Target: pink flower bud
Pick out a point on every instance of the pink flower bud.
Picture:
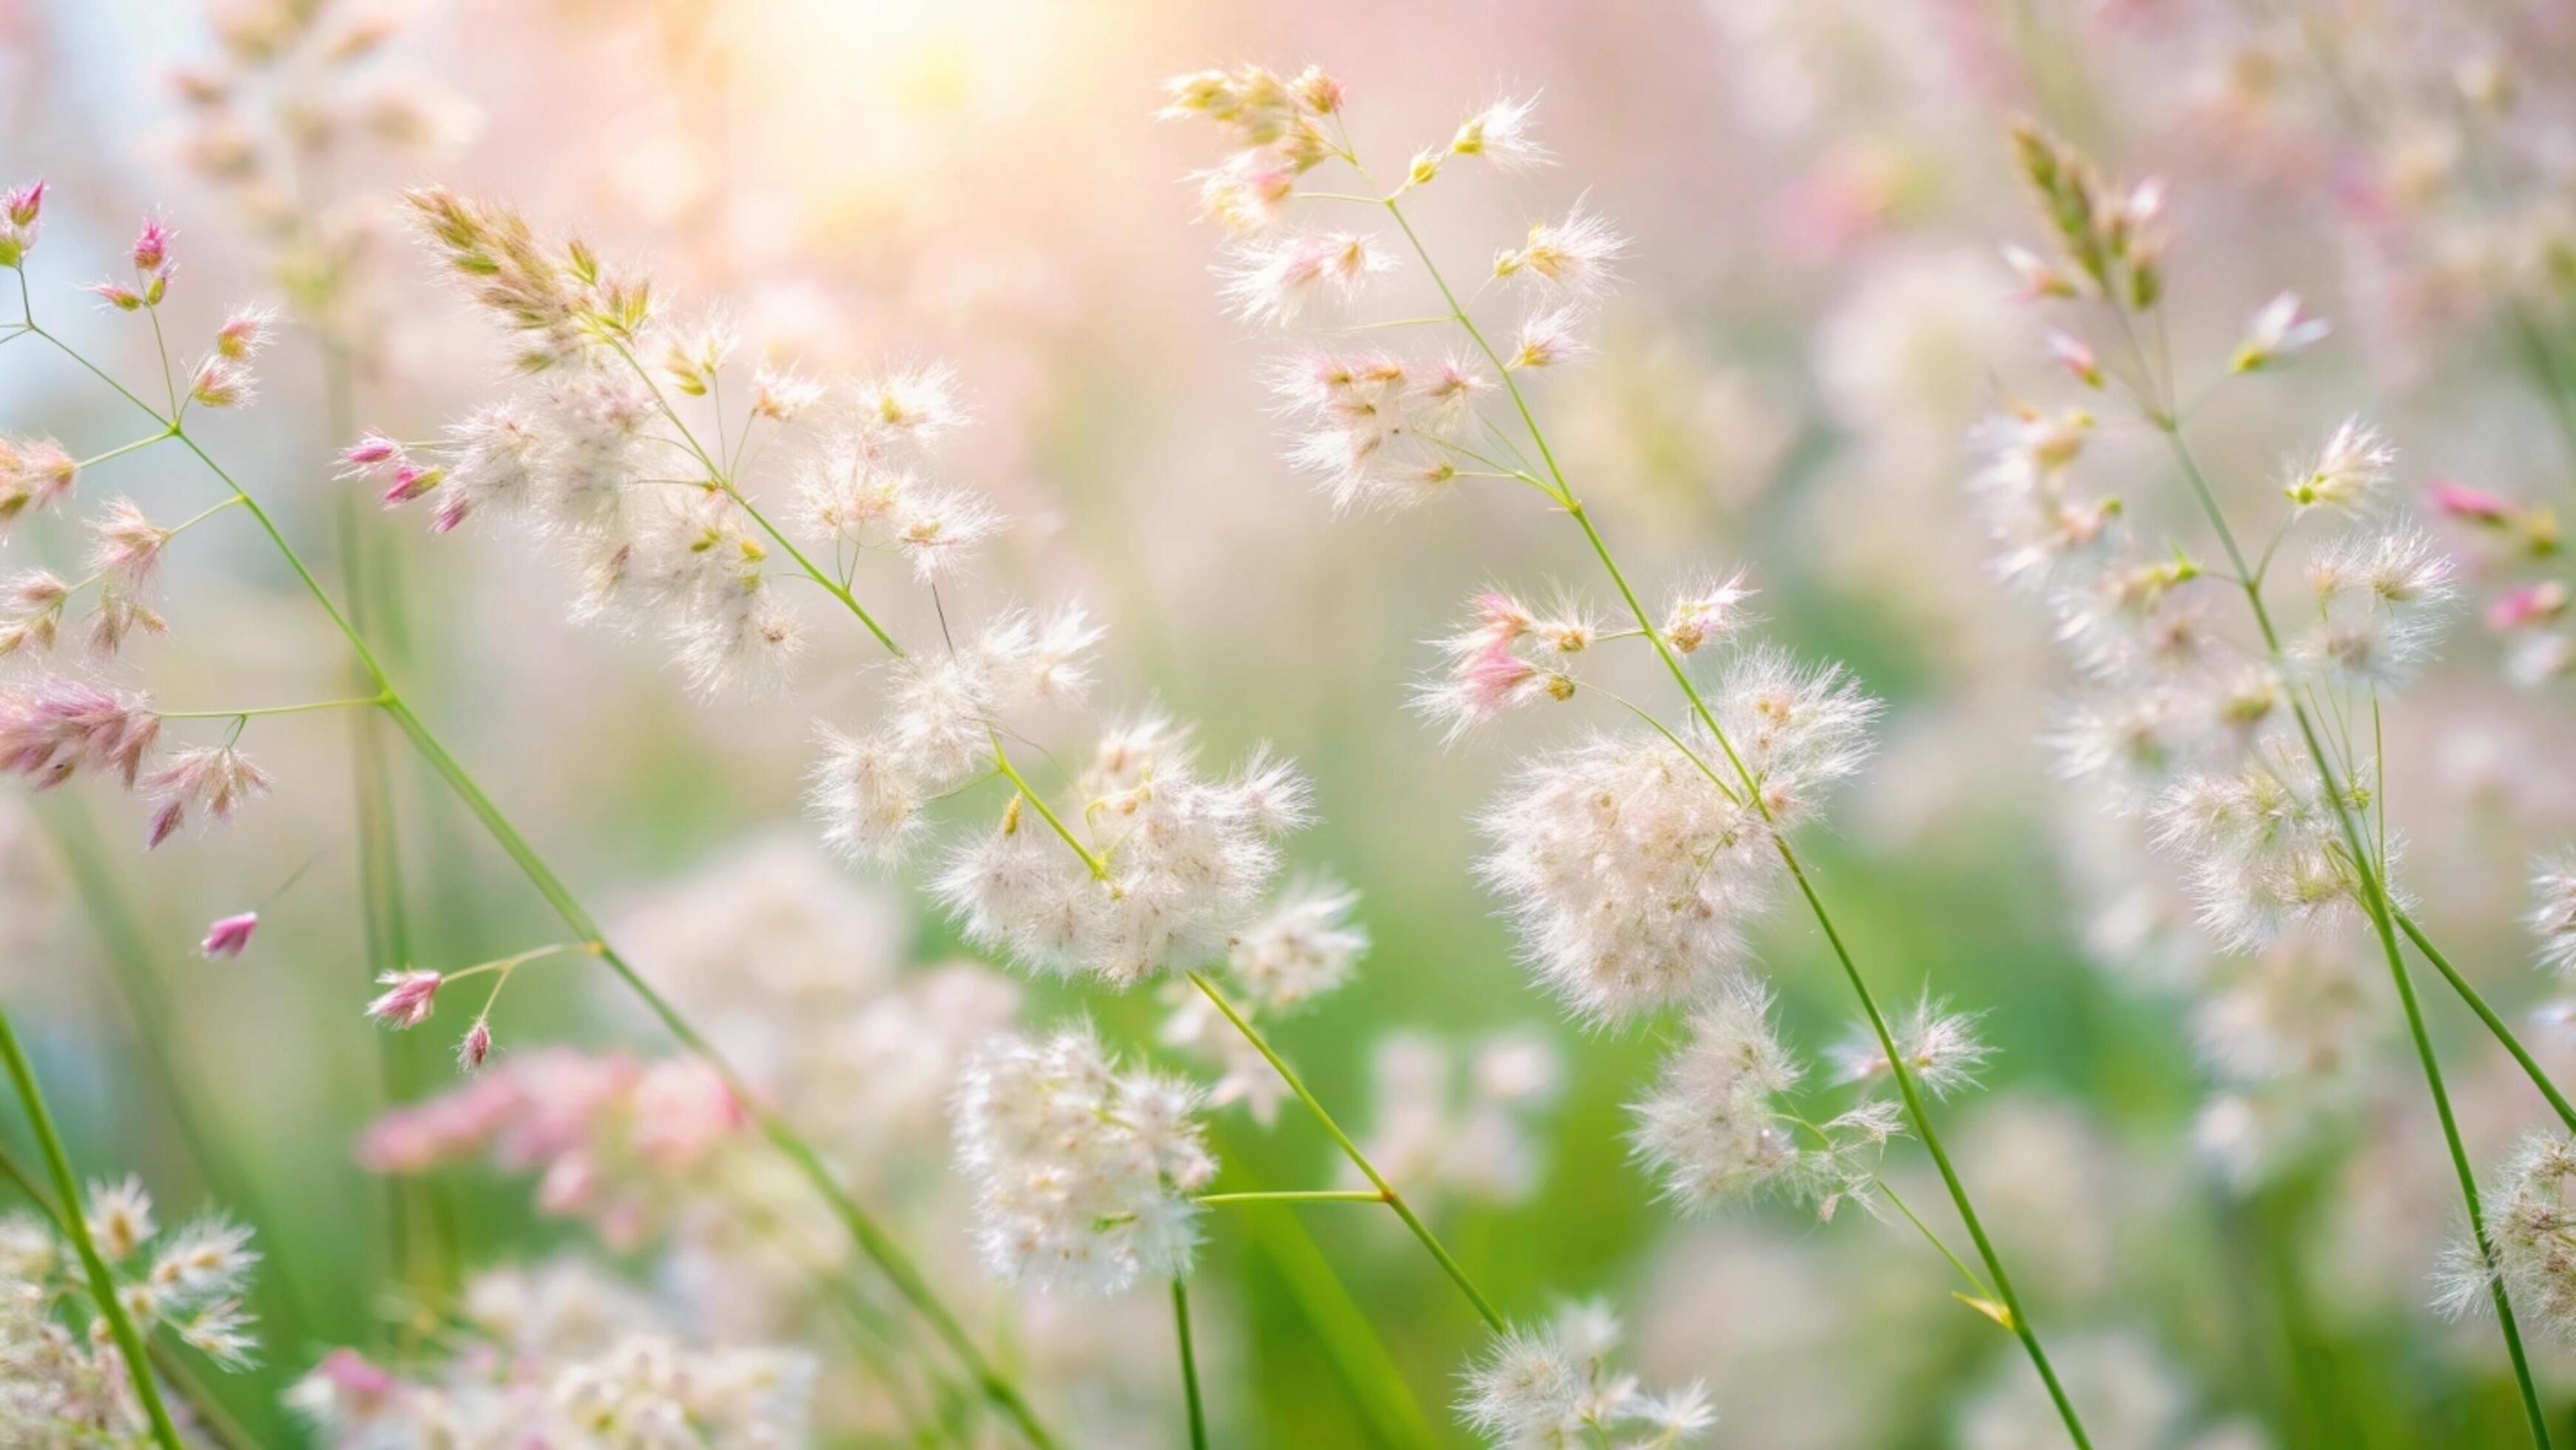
(2531, 604)
(24, 205)
(151, 245)
(122, 298)
(408, 998)
(227, 937)
(476, 1046)
(372, 451)
(411, 481)
(165, 823)
(2475, 505)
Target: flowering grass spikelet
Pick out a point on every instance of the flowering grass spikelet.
(1083, 1173)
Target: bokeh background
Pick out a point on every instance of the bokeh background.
(1814, 317)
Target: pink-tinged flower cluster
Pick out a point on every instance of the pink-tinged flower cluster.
(408, 999)
(1179, 861)
(52, 728)
(1276, 124)
(1507, 654)
(125, 554)
(561, 1354)
(21, 209)
(211, 781)
(153, 265)
(1377, 429)
(33, 475)
(608, 1137)
(2513, 536)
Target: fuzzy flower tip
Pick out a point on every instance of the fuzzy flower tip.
(1558, 1385)
(408, 998)
(1084, 1173)
(2531, 1220)
(2346, 474)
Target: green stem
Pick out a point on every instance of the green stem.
(202, 1403)
(143, 442)
(2376, 905)
(1189, 1365)
(166, 1056)
(1002, 761)
(102, 1283)
(2486, 1014)
(1297, 1195)
(368, 701)
(1903, 1076)
(871, 1239)
(1394, 1200)
(1933, 1239)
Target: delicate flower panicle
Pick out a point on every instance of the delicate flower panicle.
(1555, 1386)
(582, 446)
(1274, 123)
(563, 1355)
(52, 728)
(2381, 601)
(1940, 1050)
(869, 789)
(2111, 239)
(606, 1136)
(2045, 536)
(859, 489)
(67, 1384)
(1303, 946)
(1382, 433)
(1633, 869)
(1084, 1174)
(2347, 474)
(21, 209)
(1506, 654)
(2531, 1220)
(2553, 911)
(1178, 863)
(1707, 611)
(1715, 1127)
(1577, 255)
(2261, 854)
(205, 780)
(558, 299)
(33, 475)
(1797, 727)
(1630, 874)
(1272, 281)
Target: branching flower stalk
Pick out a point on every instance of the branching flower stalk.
(2114, 265)
(1091, 859)
(869, 1236)
(1374, 450)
